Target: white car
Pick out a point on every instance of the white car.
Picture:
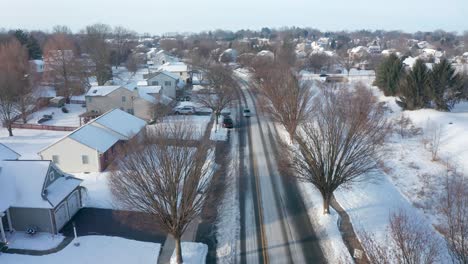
(246, 112)
(184, 110)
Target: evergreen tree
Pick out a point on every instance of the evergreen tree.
(446, 85)
(34, 50)
(415, 87)
(388, 74)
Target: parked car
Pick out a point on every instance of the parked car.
(227, 122)
(184, 110)
(44, 119)
(65, 110)
(246, 112)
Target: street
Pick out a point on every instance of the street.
(275, 227)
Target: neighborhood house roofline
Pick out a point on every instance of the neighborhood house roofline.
(89, 123)
(169, 74)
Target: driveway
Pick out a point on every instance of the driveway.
(131, 225)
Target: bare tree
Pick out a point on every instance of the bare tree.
(98, 49)
(62, 67)
(14, 71)
(454, 208)
(220, 92)
(345, 60)
(288, 100)
(407, 242)
(431, 138)
(317, 61)
(342, 141)
(123, 41)
(169, 182)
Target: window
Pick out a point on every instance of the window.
(84, 159)
(124, 99)
(154, 83)
(55, 159)
(180, 73)
(167, 83)
(130, 111)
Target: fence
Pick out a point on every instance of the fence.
(43, 127)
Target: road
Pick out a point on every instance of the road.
(275, 227)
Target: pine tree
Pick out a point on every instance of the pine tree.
(446, 85)
(388, 75)
(34, 50)
(415, 87)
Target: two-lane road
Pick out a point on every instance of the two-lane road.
(275, 227)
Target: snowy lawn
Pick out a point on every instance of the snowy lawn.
(192, 253)
(40, 241)
(98, 194)
(60, 118)
(94, 249)
(27, 142)
(195, 122)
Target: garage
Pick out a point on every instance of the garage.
(73, 203)
(61, 216)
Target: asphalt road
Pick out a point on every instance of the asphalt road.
(275, 227)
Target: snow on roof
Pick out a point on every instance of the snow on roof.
(121, 122)
(174, 67)
(409, 61)
(25, 180)
(7, 153)
(142, 83)
(95, 137)
(170, 74)
(102, 90)
(266, 53)
(60, 188)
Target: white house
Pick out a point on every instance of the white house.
(167, 80)
(92, 147)
(161, 57)
(178, 68)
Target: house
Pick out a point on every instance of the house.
(162, 57)
(92, 147)
(36, 194)
(167, 80)
(134, 99)
(178, 68)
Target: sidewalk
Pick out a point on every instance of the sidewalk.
(169, 244)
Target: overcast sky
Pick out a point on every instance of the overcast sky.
(156, 16)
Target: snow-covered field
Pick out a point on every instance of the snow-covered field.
(27, 142)
(192, 253)
(40, 241)
(60, 118)
(94, 249)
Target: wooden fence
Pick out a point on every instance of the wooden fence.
(43, 127)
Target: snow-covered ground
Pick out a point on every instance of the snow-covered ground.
(40, 241)
(27, 142)
(94, 249)
(192, 253)
(60, 118)
(98, 193)
(195, 122)
(325, 226)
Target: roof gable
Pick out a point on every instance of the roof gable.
(121, 122)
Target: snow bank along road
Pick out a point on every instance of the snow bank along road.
(275, 227)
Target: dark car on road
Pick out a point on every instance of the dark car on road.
(227, 122)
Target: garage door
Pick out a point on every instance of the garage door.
(73, 203)
(61, 216)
